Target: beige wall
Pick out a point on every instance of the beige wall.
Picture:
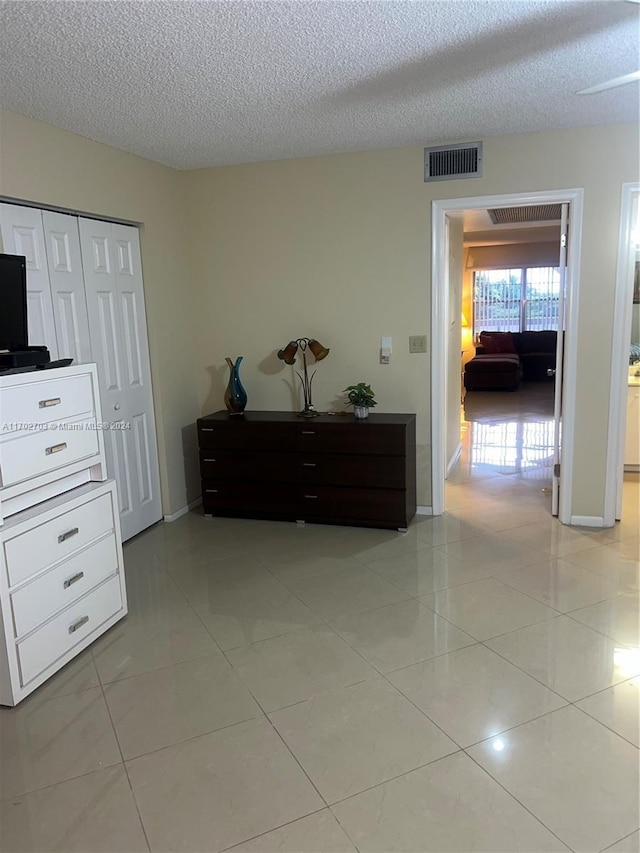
(335, 247)
(338, 247)
(40, 163)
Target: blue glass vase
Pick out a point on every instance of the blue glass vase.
(235, 397)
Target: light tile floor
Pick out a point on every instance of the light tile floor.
(471, 685)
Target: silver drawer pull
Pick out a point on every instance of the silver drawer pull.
(312, 497)
(56, 448)
(308, 432)
(206, 429)
(45, 404)
(78, 576)
(209, 460)
(211, 491)
(82, 621)
(308, 464)
(64, 536)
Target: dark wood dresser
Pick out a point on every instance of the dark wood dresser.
(329, 469)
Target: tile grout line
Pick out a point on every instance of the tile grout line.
(124, 767)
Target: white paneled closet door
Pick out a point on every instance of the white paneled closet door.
(117, 324)
(62, 240)
(23, 234)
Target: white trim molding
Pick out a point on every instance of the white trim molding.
(174, 516)
(587, 520)
(424, 510)
(440, 312)
(623, 297)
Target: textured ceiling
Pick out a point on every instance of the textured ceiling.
(194, 84)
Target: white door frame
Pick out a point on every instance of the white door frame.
(620, 356)
(439, 326)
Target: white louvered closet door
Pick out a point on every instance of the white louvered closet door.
(117, 324)
(23, 234)
(62, 240)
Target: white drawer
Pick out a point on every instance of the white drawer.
(48, 543)
(58, 636)
(45, 450)
(37, 601)
(45, 401)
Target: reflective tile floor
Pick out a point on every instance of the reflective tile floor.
(471, 685)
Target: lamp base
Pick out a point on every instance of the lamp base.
(308, 412)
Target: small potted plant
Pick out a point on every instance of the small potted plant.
(362, 398)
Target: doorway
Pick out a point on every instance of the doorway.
(511, 300)
(442, 313)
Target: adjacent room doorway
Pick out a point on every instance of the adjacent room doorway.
(444, 314)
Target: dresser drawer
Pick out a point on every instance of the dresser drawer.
(267, 498)
(324, 503)
(45, 450)
(48, 543)
(244, 435)
(247, 465)
(358, 437)
(47, 594)
(68, 628)
(386, 472)
(43, 402)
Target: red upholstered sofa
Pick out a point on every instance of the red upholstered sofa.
(504, 358)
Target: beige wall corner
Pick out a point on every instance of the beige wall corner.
(42, 164)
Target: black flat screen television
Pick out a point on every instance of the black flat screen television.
(13, 303)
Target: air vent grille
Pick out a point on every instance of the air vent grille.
(530, 213)
(451, 162)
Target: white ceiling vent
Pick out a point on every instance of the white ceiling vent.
(450, 162)
(529, 213)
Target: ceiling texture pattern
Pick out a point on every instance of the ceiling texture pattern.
(196, 84)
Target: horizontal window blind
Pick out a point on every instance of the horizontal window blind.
(516, 300)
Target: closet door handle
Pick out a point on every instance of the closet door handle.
(70, 581)
(82, 621)
(45, 404)
(55, 448)
(64, 536)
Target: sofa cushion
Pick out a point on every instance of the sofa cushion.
(544, 341)
(497, 342)
(493, 363)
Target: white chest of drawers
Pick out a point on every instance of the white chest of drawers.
(61, 568)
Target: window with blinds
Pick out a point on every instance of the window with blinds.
(516, 300)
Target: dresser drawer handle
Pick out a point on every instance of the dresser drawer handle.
(206, 429)
(211, 491)
(308, 464)
(81, 621)
(78, 576)
(64, 536)
(209, 460)
(45, 404)
(308, 432)
(55, 448)
(312, 497)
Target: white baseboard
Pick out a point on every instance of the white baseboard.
(587, 520)
(183, 510)
(454, 459)
(424, 510)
